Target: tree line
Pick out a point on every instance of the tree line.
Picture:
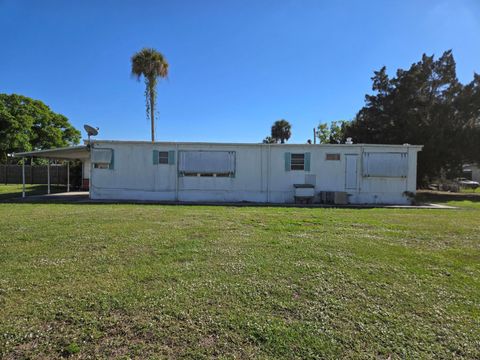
(27, 124)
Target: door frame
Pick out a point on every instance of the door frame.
(356, 172)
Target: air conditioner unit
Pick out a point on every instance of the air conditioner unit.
(327, 197)
(334, 197)
(341, 198)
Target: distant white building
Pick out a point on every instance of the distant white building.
(475, 172)
(472, 171)
(265, 173)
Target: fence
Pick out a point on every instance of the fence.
(34, 174)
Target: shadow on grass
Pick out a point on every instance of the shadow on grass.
(9, 192)
(428, 196)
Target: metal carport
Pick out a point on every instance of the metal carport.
(80, 152)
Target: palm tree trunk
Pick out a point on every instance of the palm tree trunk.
(152, 113)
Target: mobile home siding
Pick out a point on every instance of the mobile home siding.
(262, 173)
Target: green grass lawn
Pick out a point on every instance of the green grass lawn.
(15, 190)
(471, 191)
(102, 281)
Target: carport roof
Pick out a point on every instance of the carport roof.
(80, 152)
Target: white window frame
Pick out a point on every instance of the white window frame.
(300, 165)
(163, 157)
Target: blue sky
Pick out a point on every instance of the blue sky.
(235, 66)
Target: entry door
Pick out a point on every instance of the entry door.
(351, 171)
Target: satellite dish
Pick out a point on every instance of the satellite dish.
(91, 131)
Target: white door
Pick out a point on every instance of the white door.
(351, 171)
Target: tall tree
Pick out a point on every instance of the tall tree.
(152, 65)
(27, 124)
(425, 105)
(281, 131)
(468, 105)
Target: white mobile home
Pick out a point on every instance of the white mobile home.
(266, 173)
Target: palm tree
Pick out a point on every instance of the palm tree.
(152, 65)
(281, 130)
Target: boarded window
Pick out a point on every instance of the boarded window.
(102, 158)
(207, 163)
(333, 157)
(385, 164)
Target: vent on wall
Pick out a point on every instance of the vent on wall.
(332, 157)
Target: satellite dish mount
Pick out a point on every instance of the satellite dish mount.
(91, 131)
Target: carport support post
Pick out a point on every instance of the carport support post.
(23, 177)
(48, 177)
(68, 176)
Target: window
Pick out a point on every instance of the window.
(332, 157)
(385, 164)
(102, 158)
(297, 162)
(163, 157)
(207, 163)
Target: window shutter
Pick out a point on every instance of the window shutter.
(385, 164)
(155, 157)
(110, 166)
(206, 162)
(101, 155)
(171, 157)
(288, 158)
(307, 161)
